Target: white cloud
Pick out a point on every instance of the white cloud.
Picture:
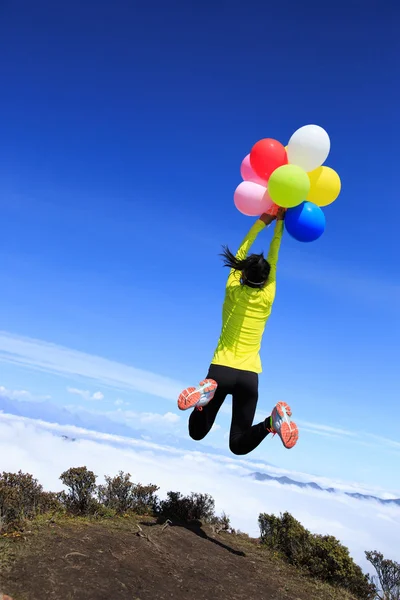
(156, 418)
(85, 394)
(388, 442)
(249, 463)
(361, 525)
(352, 436)
(15, 394)
(20, 394)
(44, 356)
(143, 418)
(327, 429)
(120, 402)
(130, 417)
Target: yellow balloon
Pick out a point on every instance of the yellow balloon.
(325, 186)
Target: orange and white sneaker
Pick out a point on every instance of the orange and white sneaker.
(197, 397)
(282, 425)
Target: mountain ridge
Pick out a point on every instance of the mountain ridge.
(311, 484)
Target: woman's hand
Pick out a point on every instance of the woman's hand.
(280, 215)
(267, 219)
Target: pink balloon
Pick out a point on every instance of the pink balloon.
(248, 174)
(252, 199)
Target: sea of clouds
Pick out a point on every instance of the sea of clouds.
(38, 448)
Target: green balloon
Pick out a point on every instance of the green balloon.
(288, 186)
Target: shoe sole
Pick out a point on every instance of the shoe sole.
(191, 396)
(289, 432)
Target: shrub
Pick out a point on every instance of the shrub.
(81, 484)
(49, 502)
(388, 575)
(11, 515)
(100, 511)
(117, 492)
(20, 495)
(184, 509)
(144, 498)
(121, 495)
(286, 535)
(222, 523)
(323, 556)
(331, 562)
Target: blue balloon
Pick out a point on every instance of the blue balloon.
(306, 222)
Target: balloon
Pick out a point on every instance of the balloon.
(252, 199)
(248, 174)
(266, 156)
(325, 186)
(305, 223)
(288, 186)
(309, 147)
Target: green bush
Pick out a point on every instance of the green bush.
(100, 511)
(20, 498)
(121, 495)
(49, 502)
(323, 556)
(186, 509)
(286, 535)
(80, 497)
(117, 492)
(144, 498)
(11, 515)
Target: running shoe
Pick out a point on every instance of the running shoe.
(197, 397)
(282, 425)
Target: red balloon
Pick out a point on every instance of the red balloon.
(266, 156)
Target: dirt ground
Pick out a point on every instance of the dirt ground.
(137, 560)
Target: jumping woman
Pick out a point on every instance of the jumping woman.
(250, 293)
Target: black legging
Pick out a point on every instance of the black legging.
(243, 385)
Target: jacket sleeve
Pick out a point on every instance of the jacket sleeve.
(234, 276)
(272, 258)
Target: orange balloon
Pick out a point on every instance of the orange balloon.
(266, 156)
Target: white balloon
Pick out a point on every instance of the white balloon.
(309, 147)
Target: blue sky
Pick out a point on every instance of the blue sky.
(121, 136)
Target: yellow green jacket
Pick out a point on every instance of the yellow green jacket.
(246, 310)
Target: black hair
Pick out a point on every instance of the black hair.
(255, 268)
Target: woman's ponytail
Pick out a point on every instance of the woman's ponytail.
(255, 269)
